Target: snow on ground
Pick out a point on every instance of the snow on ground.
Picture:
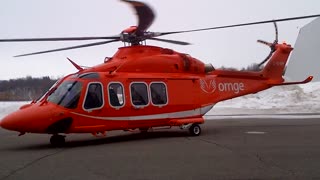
(303, 98)
(7, 107)
(277, 100)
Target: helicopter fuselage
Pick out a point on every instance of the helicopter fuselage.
(140, 87)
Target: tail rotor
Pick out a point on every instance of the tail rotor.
(271, 45)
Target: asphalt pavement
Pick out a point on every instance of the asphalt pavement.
(263, 148)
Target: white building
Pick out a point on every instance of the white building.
(305, 59)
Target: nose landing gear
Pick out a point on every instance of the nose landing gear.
(57, 140)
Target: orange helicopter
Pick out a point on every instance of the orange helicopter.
(142, 87)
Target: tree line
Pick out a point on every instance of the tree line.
(24, 89)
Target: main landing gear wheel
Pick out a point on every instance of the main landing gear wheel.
(57, 140)
(195, 130)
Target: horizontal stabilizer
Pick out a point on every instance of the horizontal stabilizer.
(308, 79)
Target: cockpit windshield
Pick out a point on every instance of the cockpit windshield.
(67, 94)
(52, 88)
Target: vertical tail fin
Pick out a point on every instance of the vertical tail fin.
(275, 66)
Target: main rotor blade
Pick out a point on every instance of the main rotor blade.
(58, 39)
(170, 41)
(145, 15)
(243, 24)
(68, 48)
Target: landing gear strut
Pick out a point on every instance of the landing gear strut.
(195, 130)
(57, 140)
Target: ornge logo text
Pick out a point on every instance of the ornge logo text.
(209, 86)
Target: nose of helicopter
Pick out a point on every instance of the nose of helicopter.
(8, 122)
(29, 118)
(17, 121)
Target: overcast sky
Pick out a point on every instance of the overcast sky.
(235, 47)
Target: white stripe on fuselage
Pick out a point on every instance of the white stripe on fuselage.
(181, 114)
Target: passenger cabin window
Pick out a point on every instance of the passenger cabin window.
(139, 94)
(116, 96)
(158, 93)
(94, 96)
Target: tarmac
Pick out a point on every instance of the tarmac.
(228, 148)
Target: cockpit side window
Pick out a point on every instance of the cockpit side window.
(94, 97)
(67, 94)
(116, 96)
(139, 94)
(158, 94)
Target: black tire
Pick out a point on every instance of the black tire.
(195, 130)
(57, 140)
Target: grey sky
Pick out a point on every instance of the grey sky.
(234, 47)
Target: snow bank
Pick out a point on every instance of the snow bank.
(276, 100)
(10, 106)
